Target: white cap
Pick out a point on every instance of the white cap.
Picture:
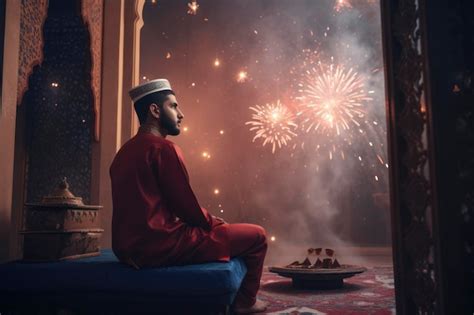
(149, 87)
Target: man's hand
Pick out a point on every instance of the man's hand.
(218, 219)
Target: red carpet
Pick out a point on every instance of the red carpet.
(371, 292)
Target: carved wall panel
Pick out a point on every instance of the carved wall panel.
(33, 14)
(59, 107)
(92, 13)
(428, 49)
(411, 178)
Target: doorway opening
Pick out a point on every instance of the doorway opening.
(285, 122)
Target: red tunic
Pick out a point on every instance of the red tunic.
(157, 220)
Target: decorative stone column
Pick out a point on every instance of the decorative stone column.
(121, 57)
(8, 107)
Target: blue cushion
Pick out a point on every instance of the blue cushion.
(219, 282)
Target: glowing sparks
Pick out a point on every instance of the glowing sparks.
(273, 123)
(185, 128)
(206, 155)
(342, 4)
(221, 132)
(332, 99)
(217, 63)
(335, 112)
(380, 159)
(273, 238)
(242, 76)
(168, 55)
(193, 7)
(216, 191)
(55, 84)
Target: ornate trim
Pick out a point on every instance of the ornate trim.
(32, 17)
(137, 27)
(412, 180)
(92, 13)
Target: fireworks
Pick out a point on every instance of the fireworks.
(334, 104)
(242, 76)
(342, 4)
(273, 123)
(193, 7)
(332, 99)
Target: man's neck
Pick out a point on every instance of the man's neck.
(153, 129)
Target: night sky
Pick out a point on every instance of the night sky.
(302, 196)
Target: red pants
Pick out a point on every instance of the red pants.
(249, 242)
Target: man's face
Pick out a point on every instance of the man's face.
(171, 116)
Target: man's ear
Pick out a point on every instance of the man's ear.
(154, 110)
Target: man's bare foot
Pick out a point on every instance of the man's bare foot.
(259, 307)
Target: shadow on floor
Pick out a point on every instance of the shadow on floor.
(286, 286)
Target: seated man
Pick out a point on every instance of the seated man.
(157, 220)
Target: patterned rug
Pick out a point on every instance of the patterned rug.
(371, 292)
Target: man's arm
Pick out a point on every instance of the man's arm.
(177, 193)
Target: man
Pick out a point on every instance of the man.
(157, 220)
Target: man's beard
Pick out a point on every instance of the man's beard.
(169, 125)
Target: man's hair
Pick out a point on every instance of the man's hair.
(142, 105)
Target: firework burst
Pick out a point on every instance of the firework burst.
(342, 4)
(193, 7)
(273, 123)
(335, 103)
(242, 76)
(332, 99)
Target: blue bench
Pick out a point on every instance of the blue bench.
(102, 284)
